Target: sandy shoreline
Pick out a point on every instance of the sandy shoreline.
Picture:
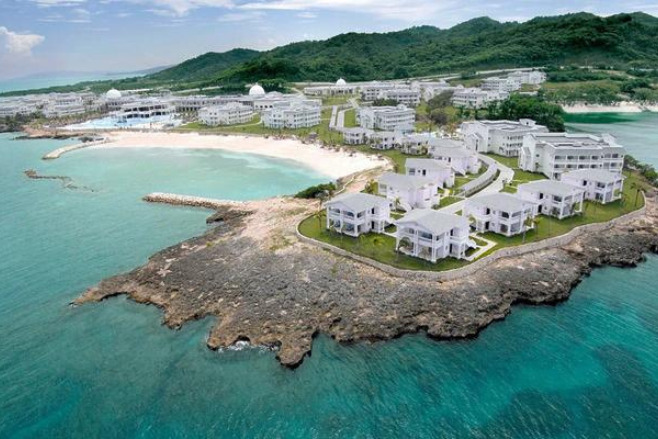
(323, 161)
(621, 107)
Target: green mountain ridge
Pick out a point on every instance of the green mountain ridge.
(480, 43)
(622, 40)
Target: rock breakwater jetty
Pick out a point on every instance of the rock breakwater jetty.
(52, 155)
(189, 200)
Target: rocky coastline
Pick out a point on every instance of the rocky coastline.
(268, 288)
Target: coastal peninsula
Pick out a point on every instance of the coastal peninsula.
(267, 287)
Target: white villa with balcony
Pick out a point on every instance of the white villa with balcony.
(461, 160)
(398, 118)
(599, 185)
(432, 235)
(504, 85)
(408, 192)
(555, 198)
(502, 137)
(555, 153)
(370, 91)
(500, 213)
(228, 114)
(439, 172)
(404, 96)
(293, 114)
(354, 214)
(476, 98)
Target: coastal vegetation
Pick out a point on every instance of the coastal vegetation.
(317, 191)
(627, 41)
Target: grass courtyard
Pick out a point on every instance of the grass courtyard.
(381, 248)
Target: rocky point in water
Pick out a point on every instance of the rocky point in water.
(267, 287)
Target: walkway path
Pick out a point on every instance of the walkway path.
(506, 175)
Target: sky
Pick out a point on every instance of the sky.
(38, 36)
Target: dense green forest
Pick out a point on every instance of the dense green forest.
(623, 41)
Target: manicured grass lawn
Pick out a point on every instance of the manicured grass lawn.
(548, 227)
(447, 201)
(381, 248)
(350, 119)
(336, 100)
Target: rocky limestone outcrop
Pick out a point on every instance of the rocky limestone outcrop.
(268, 288)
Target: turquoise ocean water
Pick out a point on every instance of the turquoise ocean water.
(585, 368)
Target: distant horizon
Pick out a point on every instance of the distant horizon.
(46, 38)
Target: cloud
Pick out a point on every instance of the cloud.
(56, 3)
(403, 10)
(307, 15)
(237, 17)
(77, 15)
(20, 44)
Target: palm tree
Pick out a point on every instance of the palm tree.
(376, 242)
(396, 203)
(405, 243)
(527, 223)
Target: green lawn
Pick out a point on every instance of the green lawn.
(350, 119)
(336, 100)
(548, 227)
(381, 248)
(520, 176)
(447, 201)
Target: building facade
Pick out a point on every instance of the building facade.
(227, 114)
(555, 153)
(599, 185)
(502, 137)
(554, 198)
(407, 192)
(354, 214)
(500, 213)
(431, 235)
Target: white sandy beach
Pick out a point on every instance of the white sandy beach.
(621, 107)
(324, 161)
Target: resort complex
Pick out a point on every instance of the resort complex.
(452, 194)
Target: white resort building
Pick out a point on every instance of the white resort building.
(227, 114)
(500, 213)
(554, 153)
(432, 235)
(502, 137)
(340, 88)
(371, 91)
(293, 115)
(63, 104)
(461, 160)
(555, 198)
(407, 193)
(476, 98)
(398, 118)
(404, 96)
(532, 77)
(146, 110)
(437, 171)
(599, 185)
(501, 85)
(354, 214)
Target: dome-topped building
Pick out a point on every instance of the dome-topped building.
(256, 90)
(341, 82)
(113, 94)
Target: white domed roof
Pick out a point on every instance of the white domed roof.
(341, 81)
(113, 94)
(256, 90)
